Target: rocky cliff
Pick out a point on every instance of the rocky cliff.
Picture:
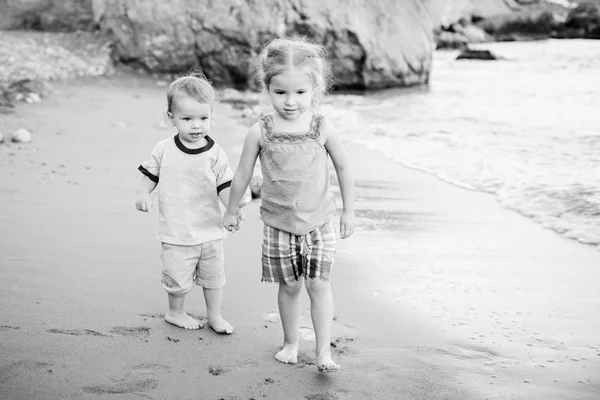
(372, 43)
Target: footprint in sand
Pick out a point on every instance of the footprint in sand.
(153, 316)
(307, 334)
(76, 332)
(304, 359)
(340, 345)
(468, 352)
(271, 316)
(338, 395)
(217, 370)
(140, 379)
(4, 328)
(136, 331)
(21, 368)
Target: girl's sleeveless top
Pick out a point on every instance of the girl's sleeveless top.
(296, 194)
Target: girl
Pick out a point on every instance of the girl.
(298, 206)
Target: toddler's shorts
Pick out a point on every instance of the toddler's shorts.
(184, 266)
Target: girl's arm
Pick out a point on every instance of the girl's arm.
(337, 152)
(224, 196)
(143, 201)
(242, 176)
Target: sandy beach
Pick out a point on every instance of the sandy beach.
(440, 294)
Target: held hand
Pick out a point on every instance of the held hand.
(143, 202)
(240, 217)
(347, 223)
(230, 221)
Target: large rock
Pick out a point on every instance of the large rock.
(585, 16)
(500, 19)
(526, 24)
(372, 44)
(46, 15)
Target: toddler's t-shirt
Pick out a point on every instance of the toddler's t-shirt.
(189, 181)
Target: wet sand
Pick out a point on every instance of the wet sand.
(440, 294)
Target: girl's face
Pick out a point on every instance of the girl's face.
(291, 93)
(192, 120)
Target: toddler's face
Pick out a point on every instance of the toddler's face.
(291, 93)
(192, 120)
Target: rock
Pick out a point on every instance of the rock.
(473, 33)
(529, 24)
(33, 98)
(21, 135)
(451, 40)
(372, 43)
(47, 15)
(470, 54)
(1, 138)
(586, 16)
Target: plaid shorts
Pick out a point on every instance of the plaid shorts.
(287, 257)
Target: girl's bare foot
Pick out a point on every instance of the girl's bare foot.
(182, 320)
(326, 364)
(219, 325)
(288, 355)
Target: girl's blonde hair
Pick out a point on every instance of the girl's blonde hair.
(283, 54)
(193, 85)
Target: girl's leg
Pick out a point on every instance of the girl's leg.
(321, 310)
(177, 315)
(289, 311)
(213, 298)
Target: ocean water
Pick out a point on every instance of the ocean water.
(525, 129)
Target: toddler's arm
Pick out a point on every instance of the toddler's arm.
(143, 202)
(242, 176)
(337, 152)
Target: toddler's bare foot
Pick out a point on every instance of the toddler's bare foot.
(219, 325)
(326, 364)
(288, 355)
(182, 320)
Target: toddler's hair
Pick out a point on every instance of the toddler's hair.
(194, 85)
(283, 54)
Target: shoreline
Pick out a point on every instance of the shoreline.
(83, 307)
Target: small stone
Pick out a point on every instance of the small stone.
(33, 98)
(21, 135)
(1, 138)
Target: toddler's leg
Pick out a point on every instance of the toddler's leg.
(176, 279)
(321, 309)
(289, 311)
(213, 298)
(177, 316)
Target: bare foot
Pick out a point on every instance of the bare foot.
(183, 320)
(219, 325)
(288, 355)
(326, 364)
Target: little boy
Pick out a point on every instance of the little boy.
(194, 174)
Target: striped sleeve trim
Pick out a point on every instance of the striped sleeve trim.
(222, 186)
(144, 171)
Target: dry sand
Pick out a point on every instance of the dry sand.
(440, 294)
